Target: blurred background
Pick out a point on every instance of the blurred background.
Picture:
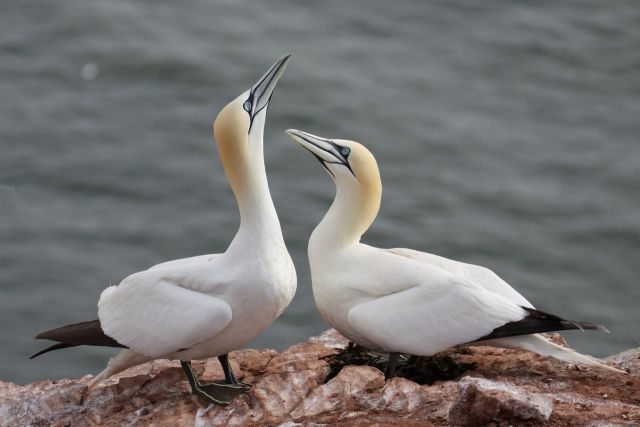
(507, 135)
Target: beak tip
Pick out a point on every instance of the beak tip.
(285, 59)
(264, 88)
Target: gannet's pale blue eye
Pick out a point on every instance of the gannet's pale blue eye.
(247, 106)
(345, 151)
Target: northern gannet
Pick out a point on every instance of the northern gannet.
(208, 305)
(406, 301)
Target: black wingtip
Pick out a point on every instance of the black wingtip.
(83, 333)
(539, 321)
(52, 348)
(41, 336)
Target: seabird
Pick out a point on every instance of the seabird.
(402, 301)
(205, 306)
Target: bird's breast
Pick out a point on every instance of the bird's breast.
(267, 281)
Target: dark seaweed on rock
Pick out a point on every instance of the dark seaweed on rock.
(422, 370)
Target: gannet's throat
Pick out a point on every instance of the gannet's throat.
(353, 211)
(242, 157)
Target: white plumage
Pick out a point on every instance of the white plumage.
(402, 300)
(159, 312)
(207, 305)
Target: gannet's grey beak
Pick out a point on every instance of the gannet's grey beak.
(325, 150)
(261, 92)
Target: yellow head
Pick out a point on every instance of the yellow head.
(239, 128)
(356, 174)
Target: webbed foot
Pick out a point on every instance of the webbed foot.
(220, 394)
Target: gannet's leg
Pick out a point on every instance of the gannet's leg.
(220, 394)
(390, 371)
(228, 372)
(191, 375)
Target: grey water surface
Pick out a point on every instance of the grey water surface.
(507, 133)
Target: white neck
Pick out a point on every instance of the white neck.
(351, 214)
(259, 224)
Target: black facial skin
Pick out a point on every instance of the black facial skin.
(249, 104)
(340, 152)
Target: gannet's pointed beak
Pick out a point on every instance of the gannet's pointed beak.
(325, 150)
(261, 92)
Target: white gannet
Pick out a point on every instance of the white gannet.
(208, 305)
(406, 301)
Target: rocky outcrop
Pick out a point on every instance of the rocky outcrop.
(481, 401)
(314, 384)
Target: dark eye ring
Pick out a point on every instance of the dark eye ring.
(345, 151)
(247, 106)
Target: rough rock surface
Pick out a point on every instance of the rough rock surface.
(481, 401)
(291, 388)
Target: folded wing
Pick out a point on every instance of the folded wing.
(156, 315)
(425, 320)
(479, 275)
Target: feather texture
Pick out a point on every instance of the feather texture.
(415, 321)
(154, 315)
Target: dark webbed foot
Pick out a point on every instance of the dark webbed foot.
(218, 393)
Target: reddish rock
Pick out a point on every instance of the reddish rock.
(482, 401)
(291, 388)
(349, 390)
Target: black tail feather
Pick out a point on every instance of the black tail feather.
(58, 346)
(83, 333)
(536, 322)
